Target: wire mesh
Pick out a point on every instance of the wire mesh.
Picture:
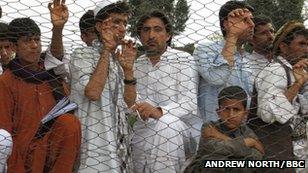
(105, 135)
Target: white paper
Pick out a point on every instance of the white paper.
(60, 108)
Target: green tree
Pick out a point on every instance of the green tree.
(280, 11)
(176, 10)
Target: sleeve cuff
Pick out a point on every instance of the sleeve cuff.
(282, 109)
(59, 67)
(219, 61)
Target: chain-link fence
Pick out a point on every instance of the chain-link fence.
(150, 119)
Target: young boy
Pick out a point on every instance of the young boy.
(27, 93)
(228, 138)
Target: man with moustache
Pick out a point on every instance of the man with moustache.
(282, 94)
(261, 43)
(166, 89)
(223, 63)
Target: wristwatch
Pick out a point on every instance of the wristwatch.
(130, 82)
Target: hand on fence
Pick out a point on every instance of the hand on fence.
(238, 22)
(299, 72)
(58, 12)
(107, 34)
(127, 55)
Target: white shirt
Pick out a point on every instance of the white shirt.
(215, 74)
(256, 63)
(163, 145)
(103, 122)
(59, 67)
(171, 84)
(273, 105)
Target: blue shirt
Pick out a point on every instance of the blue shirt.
(215, 74)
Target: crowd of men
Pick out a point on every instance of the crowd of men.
(158, 109)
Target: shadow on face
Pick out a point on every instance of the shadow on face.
(232, 112)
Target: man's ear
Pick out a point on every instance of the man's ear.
(252, 42)
(82, 36)
(226, 26)
(13, 46)
(218, 110)
(246, 114)
(168, 37)
(98, 26)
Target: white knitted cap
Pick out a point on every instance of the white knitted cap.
(103, 4)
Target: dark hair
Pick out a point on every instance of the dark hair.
(121, 7)
(0, 12)
(87, 21)
(161, 16)
(4, 29)
(232, 92)
(227, 8)
(261, 20)
(22, 27)
(295, 32)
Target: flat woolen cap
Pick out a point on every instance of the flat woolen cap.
(103, 10)
(283, 32)
(104, 4)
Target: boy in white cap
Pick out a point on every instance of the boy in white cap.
(100, 79)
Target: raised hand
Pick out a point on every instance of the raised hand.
(58, 12)
(127, 55)
(299, 72)
(108, 35)
(238, 22)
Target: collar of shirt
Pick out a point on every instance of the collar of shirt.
(285, 62)
(163, 58)
(257, 57)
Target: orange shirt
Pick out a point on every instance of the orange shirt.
(22, 107)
